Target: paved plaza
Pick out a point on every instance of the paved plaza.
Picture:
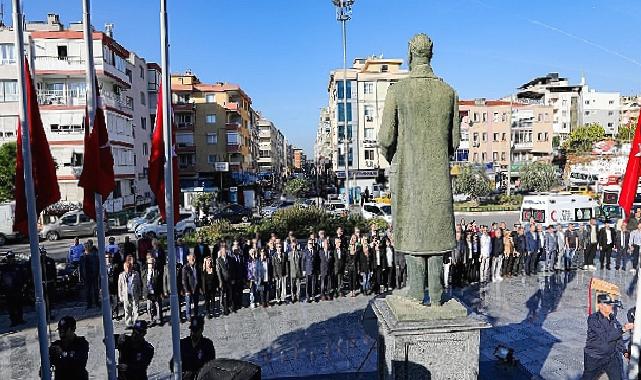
(543, 318)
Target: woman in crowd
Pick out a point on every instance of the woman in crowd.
(508, 249)
(264, 275)
(351, 265)
(210, 285)
(251, 278)
(365, 266)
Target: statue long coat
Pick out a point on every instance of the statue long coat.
(420, 130)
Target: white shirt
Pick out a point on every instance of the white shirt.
(608, 236)
(390, 256)
(593, 238)
(635, 237)
(560, 238)
(486, 245)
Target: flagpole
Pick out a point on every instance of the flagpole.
(36, 267)
(169, 190)
(633, 367)
(107, 322)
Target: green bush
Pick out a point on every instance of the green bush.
(514, 200)
(304, 221)
(220, 230)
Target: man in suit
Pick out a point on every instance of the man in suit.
(326, 270)
(606, 242)
(308, 268)
(279, 262)
(129, 292)
(621, 244)
(191, 287)
(201, 250)
(550, 248)
(295, 272)
(339, 265)
(152, 289)
(532, 246)
(224, 271)
(592, 241)
(182, 251)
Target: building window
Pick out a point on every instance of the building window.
(340, 89)
(484, 117)
(587, 102)
(62, 51)
(610, 125)
(341, 112)
(232, 138)
(587, 112)
(476, 157)
(368, 88)
(502, 156)
(8, 91)
(496, 137)
(611, 102)
(142, 98)
(564, 113)
(210, 98)
(483, 156)
(210, 119)
(475, 117)
(503, 136)
(384, 68)
(504, 117)
(495, 156)
(264, 153)
(495, 117)
(212, 138)
(484, 136)
(610, 113)
(540, 136)
(143, 122)
(540, 117)
(145, 149)
(369, 134)
(211, 158)
(7, 54)
(475, 137)
(369, 154)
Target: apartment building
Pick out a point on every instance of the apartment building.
(367, 82)
(299, 159)
(492, 129)
(215, 130)
(601, 108)
(271, 155)
(324, 146)
(629, 110)
(57, 56)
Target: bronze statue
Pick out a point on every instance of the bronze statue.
(419, 132)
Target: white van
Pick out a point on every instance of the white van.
(377, 210)
(558, 208)
(7, 215)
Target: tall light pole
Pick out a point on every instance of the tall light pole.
(344, 14)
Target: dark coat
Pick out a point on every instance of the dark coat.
(339, 262)
(326, 262)
(190, 279)
(280, 266)
(603, 239)
(224, 270)
(308, 261)
(626, 241)
(498, 247)
(157, 282)
(89, 267)
(295, 264)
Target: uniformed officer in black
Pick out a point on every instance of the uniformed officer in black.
(604, 344)
(135, 353)
(195, 350)
(69, 354)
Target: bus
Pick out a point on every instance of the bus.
(558, 208)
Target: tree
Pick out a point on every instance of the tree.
(472, 181)
(202, 201)
(538, 176)
(626, 132)
(582, 138)
(7, 171)
(295, 187)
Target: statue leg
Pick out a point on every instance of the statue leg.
(416, 270)
(435, 279)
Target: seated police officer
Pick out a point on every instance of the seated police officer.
(195, 350)
(604, 344)
(135, 353)
(69, 354)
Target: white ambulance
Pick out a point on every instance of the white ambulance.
(558, 208)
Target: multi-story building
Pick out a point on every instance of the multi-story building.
(271, 146)
(58, 64)
(574, 105)
(215, 127)
(629, 111)
(288, 152)
(299, 159)
(367, 82)
(492, 129)
(324, 146)
(601, 108)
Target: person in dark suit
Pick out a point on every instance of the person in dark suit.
(351, 266)
(621, 244)
(264, 274)
(191, 287)
(606, 242)
(591, 244)
(326, 270)
(153, 289)
(279, 263)
(90, 273)
(224, 272)
(308, 268)
(201, 250)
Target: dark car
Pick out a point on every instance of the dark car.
(234, 213)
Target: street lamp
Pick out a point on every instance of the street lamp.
(343, 14)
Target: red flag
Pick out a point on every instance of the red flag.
(98, 169)
(632, 172)
(43, 168)
(157, 164)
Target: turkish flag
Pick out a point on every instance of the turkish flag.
(98, 168)
(157, 164)
(43, 167)
(632, 171)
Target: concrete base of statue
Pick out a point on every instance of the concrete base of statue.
(229, 369)
(418, 342)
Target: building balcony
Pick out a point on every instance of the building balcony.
(187, 167)
(185, 126)
(185, 147)
(55, 65)
(184, 107)
(232, 106)
(73, 98)
(233, 125)
(523, 146)
(232, 148)
(112, 72)
(129, 200)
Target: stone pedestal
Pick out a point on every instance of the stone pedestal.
(229, 369)
(417, 342)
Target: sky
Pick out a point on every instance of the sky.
(281, 51)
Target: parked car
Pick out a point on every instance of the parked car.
(337, 209)
(148, 216)
(70, 224)
(268, 211)
(377, 210)
(185, 225)
(233, 213)
(7, 215)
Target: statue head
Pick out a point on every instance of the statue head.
(420, 50)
